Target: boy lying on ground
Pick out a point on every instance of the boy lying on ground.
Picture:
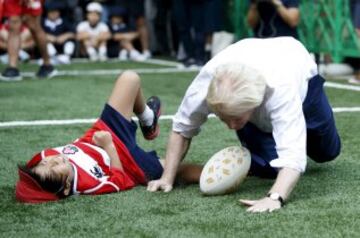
(106, 158)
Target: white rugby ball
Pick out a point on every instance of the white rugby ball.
(225, 171)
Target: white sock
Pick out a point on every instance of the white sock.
(91, 51)
(146, 117)
(69, 48)
(51, 49)
(23, 55)
(102, 50)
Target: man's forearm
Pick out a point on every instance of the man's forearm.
(176, 150)
(285, 182)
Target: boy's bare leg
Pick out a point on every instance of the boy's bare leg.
(127, 96)
(14, 41)
(33, 22)
(143, 32)
(189, 173)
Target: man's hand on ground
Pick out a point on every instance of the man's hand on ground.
(159, 185)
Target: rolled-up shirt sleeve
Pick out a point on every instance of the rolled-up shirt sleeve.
(193, 110)
(289, 131)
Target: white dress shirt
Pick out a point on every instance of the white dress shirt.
(287, 67)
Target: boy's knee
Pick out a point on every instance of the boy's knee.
(129, 76)
(33, 23)
(15, 24)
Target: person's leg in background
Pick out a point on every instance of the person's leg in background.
(214, 22)
(34, 25)
(161, 26)
(181, 14)
(11, 73)
(198, 22)
(137, 10)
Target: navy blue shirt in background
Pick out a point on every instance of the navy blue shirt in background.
(56, 28)
(270, 23)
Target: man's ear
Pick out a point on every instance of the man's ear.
(67, 187)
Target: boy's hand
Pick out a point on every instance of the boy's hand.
(102, 138)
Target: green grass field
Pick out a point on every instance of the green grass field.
(324, 204)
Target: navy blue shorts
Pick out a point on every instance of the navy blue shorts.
(323, 141)
(126, 131)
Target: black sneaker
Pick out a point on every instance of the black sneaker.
(46, 71)
(151, 132)
(10, 74)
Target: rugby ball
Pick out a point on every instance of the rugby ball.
(225, 171)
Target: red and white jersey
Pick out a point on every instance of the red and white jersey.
(91, 164)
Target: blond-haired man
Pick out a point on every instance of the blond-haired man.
(270, 93)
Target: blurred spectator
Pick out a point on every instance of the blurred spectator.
(271, 18)
(214, 22)
(60, 35)
(27, 43)
(166, 36)
(189, 17)
(18, 11)
(123, 36)
(136, 17)
(69, 10)
(93, 34)
(355, 62)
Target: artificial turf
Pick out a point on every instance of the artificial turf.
(324, 203)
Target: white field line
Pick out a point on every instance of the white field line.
(342, 86)
(102, 72)
(92, 120)
(115, 60)
(178, 69)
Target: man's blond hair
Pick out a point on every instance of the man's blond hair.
(235, 89)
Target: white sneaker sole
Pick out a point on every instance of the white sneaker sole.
(10, 79)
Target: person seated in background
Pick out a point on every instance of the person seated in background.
(28, 13)
(93, 34)
(272, 18)
(123, 36)
(27, 43)
(59, 34)
(106, 159)
(136, 15)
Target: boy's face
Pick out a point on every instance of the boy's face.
(93, 18)
(116, 20)
(57, 167)
(53, 14)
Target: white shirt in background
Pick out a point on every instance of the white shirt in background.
(84, 26)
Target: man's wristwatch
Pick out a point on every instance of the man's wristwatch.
(276, 197)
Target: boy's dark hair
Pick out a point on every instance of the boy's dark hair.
(49, 184)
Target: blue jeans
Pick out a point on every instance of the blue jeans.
(323, 141)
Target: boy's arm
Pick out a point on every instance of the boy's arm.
(64, 37)
(50, 38)
(104, 36)
(103, 139)
(125, 36)
(82, 35)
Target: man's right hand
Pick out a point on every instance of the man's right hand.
(160, 185)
